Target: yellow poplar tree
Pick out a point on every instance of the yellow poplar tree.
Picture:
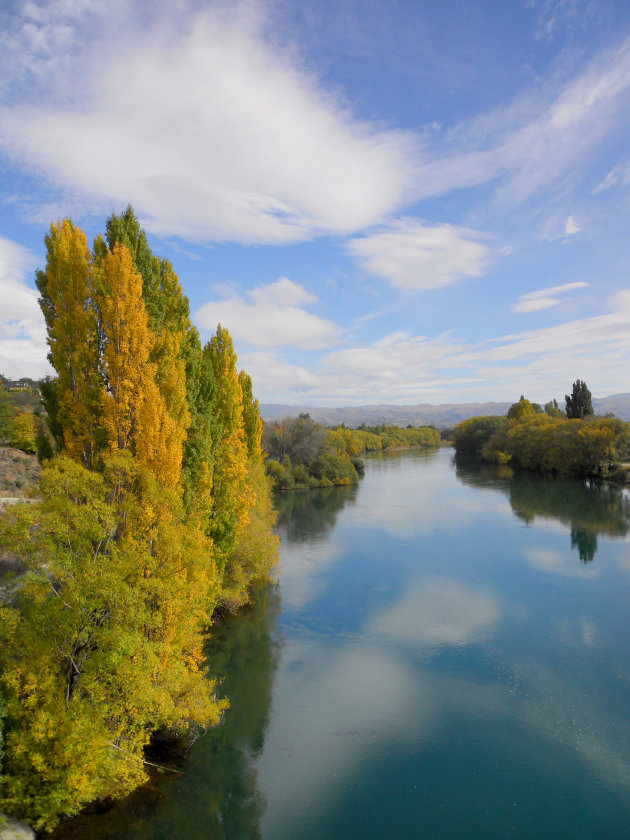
(135, 414)
(167, 313)
(66, 299)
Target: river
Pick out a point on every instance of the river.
(446, 654)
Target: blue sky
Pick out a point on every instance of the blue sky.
(382, 201)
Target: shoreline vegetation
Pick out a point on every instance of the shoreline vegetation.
(153, 516)
(302, 454)
(550, 441)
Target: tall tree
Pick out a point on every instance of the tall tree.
(167, 310)
(252, 423)
(579, 404)
(135, 415)
(133, 545)
(232, 495)
(66, 299)
(50, 398)
(521, 409)
(203, 434)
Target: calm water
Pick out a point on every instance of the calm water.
(446, 655)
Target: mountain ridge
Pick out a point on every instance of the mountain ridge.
(441, 415)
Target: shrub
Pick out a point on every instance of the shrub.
(472, 435)
(334, 468)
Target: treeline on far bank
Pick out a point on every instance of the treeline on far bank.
(153, 513)
(574, 442)
(302, 453)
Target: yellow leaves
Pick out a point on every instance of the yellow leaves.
(546, 443)
(21, 431)
(135, 413)
(127, 345)
(104, 643)
(66, 288)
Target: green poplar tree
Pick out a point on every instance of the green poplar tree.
(579, 404)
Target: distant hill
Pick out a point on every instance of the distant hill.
(442, 416)
(617, 404)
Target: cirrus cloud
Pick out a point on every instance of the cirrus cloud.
(545, 298)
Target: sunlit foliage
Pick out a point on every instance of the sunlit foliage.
(156, 511)
(546, 442)
(302, 453)
(67, 300)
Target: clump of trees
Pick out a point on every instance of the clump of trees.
(155, 512)
(549, 441)
(302, 453)
(378, 438)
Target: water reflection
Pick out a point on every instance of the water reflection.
(438, 611)
(364, 697)
(304, 514)
(436, 688)
(587, 507)
(216, 797)
(407, 497)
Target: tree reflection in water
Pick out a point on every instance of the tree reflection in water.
(587, 507)
(311, 513)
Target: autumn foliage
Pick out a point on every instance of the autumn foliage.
(155, 511)
(547, 443)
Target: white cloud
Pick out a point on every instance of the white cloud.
(228, 139)
(22, 333)
(407, 369)
(231, 139)
(272, 317)
(620, 302)
(545, 298)
(559, 228)
(415, 255)
(558, 563)
(18, 301)
(571, 227)
(279, 380)
(437, 612)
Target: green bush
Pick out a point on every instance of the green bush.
(301, 475)
(281, 476)
(470, 436)
(589, 447)
(335, 468)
